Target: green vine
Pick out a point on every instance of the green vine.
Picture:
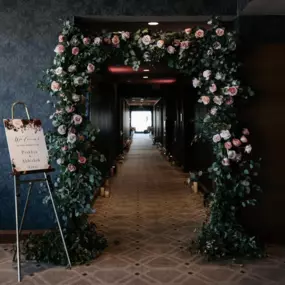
(208, 56)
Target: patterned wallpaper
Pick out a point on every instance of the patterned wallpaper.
(28, 34)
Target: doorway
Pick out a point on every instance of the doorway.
(141, 121)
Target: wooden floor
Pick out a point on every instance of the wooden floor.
(149, 220)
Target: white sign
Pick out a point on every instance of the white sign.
(26, 143)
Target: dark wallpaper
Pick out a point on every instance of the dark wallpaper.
(28, 35)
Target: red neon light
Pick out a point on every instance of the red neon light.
(120, 69)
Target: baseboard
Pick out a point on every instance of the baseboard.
(9, 236)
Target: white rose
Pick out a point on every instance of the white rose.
(59, 161)
(76, 97)
(232, 154)
(213, 111)
(97, 41)
(171, 50)
(216, 138)
(72, 68)
(218, 100)
(59, 71)
(77, 119)
(146, 40)
(207, 74)
(61, 129)
(71, 138)
(213, 88)
(226, 162)
(219, 76)
(160, 43)
(225, 134)
(78, 81)
(248, 148)
(196, 82)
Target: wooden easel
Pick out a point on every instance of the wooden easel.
(17, 183)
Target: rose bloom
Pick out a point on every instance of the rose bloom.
(232, 154)
(55, 86)
(69, 109)
(225, 162)
(75, 51)
(97, 41)
(176, 43)
(61, 38)
(115, 40)
(77, 119)
(78, 81)
(213, 111)
(71, 138)
(217, 45)
(228, 145)
(59, 49)
(71, 167)
(71, 68)
(184, 45)
(59, 71)
(61, 129)
(82, 159)
(196, 82)
(205, 99)
(64, 148)
(216, 138)
(232, 91)
(207, 74)
(245, 132)
(188, 31)
(199, 34)
(213, 88)
(160, 43)
(90, 67)
(243, 139)
(218, 100)
(146, 40)
(86, 41)
(236, 142)
(76, 97)
(229, 101)
(72, 130)
(225, 134)
(59, 161)
(125, 35)
(220, 32)
(248, 148)
(171, 50)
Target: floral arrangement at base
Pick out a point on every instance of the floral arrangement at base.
(207, 55)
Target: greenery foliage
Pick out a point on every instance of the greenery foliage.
(207, 54)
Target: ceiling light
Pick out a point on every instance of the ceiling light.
(146, 70)
(153, 23)
(145, 77)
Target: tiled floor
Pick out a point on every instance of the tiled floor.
(149, 220)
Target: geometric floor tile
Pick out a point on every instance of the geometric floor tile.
(149, 220)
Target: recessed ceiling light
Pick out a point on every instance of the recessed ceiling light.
(146, 70)
(153, 23)
(145, 77)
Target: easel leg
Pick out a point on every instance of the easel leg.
(17, 196)
(47, 177)
(24, 212)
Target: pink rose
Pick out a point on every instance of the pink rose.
(125, 35)
(75, 51)
(232, 91)
(55, 86)
(71, 167)
(199, 34)
(245, 132)
(236, 142)
(86, 41)
(226, 162)
(229, 101)
(220, 32)
(228, 145)
(90, 67)
(171, 50)
(184, 44)
(213, 88)
(64, 148)
(82, 159)
(115, 40)
(176, 43)
(69, 109)
(243, 139)
(188, 31)
(61, 38)
(59, 49)
(205, 100)
(77, 119)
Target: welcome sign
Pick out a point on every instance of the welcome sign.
(26, 143)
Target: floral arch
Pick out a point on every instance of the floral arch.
(208, 56)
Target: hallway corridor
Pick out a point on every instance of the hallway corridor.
(148, 221)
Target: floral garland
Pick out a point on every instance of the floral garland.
(208, 55)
